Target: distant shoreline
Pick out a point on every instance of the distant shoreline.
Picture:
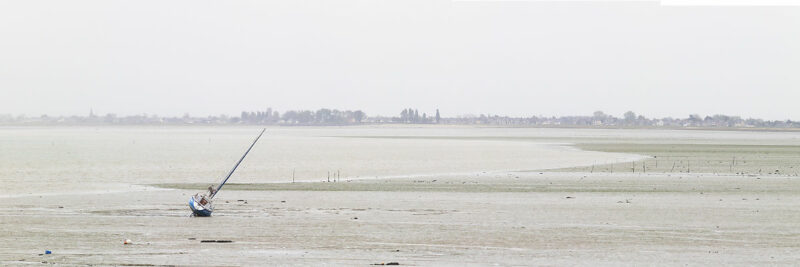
(412, 117)
(398, 125)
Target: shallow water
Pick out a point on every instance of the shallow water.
(40, 160)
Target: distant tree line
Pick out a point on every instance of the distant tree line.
(412, 116)
(628, 119)
(302, 117)
(326, 116)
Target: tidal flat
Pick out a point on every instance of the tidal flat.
(456, 196)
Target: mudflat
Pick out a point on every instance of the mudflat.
(552, 213)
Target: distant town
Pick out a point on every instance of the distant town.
(334, 117)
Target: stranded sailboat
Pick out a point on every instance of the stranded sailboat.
(201, 204)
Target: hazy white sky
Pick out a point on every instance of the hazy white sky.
(513, 58)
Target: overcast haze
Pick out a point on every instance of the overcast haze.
(507, 58)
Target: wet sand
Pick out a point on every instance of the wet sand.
(563, 219)
(506, 218)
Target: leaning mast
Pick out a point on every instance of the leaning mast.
(237, 165)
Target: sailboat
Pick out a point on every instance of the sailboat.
(201, 204)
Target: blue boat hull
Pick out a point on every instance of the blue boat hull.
(198, 209)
